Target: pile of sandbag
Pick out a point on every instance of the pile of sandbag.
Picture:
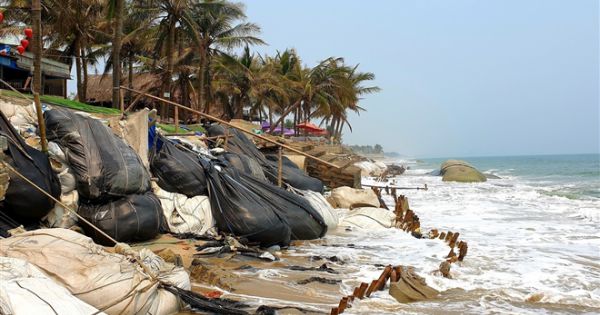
(59, 217)
(240, 144)
(112, 183)
(26, 290)
(110, 282)
(23, 203)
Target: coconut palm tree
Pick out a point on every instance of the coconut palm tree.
(216, 31)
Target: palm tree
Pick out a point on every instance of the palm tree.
(116, 14)
(215, 32)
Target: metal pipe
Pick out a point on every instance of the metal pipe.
(210, 117)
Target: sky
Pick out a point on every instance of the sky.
(458, 78)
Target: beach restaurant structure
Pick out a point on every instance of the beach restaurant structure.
(17, 69)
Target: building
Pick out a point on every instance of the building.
(17, 70)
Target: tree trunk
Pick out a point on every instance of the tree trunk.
(80, 92)
(116, 53)
(285, 113)
(36, 15)
(130, 77)
(201, 80)
(84, 68)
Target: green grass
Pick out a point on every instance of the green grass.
(168, 128)
(59, 101)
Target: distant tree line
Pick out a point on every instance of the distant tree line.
(367, 149)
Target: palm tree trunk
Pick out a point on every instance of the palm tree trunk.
(80, 92)
(202, 81)
(116, 53)
(285, 113)
(84, 65)
(130, 77)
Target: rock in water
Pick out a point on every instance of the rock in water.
(460, 171)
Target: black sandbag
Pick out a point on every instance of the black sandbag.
(244, 164)
(177, 169)
(285, 160)
(240, 144)
(240, 211)
(133, 218)
(23, 202)
(305, 222)
(103, 164)
(293, 176)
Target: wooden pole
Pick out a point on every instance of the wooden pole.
(36, 14)
(201, 114)
(176, 119)
(280, 168)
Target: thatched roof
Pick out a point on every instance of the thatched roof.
(99, 87)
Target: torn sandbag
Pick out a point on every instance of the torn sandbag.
(103, 164)
(305, 222)
(26, 289)
(185, 215)
(177, 169)
(110, 282)
(128, 219)
(244, 164)
(23, 202)
(319, 203)
(241, 211)
(240, 144)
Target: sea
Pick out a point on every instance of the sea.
(533, 237)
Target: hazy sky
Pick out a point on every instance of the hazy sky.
(459, 78)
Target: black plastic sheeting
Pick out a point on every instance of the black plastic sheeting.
(240, 144)
(23, 202)
(241, 211)
(129, 219)
(305, 222)
(244, 164)
(104, 165)
(177, 169)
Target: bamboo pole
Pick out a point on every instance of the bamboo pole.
(176, 119)
(36, 14)
(210, 117)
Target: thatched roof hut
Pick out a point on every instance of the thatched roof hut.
(99, 87)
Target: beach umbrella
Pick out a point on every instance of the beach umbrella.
(28, 32)
(20, 49)
(24, 43)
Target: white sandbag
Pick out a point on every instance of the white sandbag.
(26, 290)
(8, 109)
(108, 281)
(381, 166)
(345, 197)
(320, 204)
(186, 215)
(134, 130)
(59, 217)
(368, 218)
(67, 181)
